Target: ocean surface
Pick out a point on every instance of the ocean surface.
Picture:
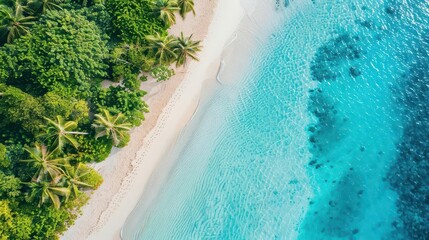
(325, 135)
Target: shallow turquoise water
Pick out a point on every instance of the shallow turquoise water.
(324, 137)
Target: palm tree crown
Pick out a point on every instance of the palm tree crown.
(163, 47)
(46, 163)
(166, 9)
(73, 176)
(13, 22)
(43, 6)
(45, 191)
(114, 127)
(185, 7)
(61, 132)
(186, 47)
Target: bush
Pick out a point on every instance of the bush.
(132, 20)
(93, 150)
(4, 159)
(13, 225)
(9, 186)
(20, 108)
(93, 178)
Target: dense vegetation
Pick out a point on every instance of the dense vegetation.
(55, 117)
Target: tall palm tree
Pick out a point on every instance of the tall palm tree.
(61, 132)
(45, 191)
(13, 22)
(73, 176)
(114, 127)
(185, 7)
(166, 9)
(43, 6)
(185, 47)
(46, 163)
(163, 47)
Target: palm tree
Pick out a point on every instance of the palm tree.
(18, 5)
(166, 9)
(13, 22)
(46, 163)
(43, 6)
(163, 46)
(73, 176)
(114, 127)
(45, 191)
(185, 47)
(61, 132)
(185, 7)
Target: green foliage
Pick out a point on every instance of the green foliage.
(134, 19)
(162, 73)
(44, 6)
(88, 3)
(57, 54)
(92, 177)
(114, 127)
(65, 52)
(19, 108)
(13, 22)
(67, 107)
(48, 166)
(9, 186)
(166, 10)
(130, 60)
(13, 224)
(48, 221)
(93, 150)
(98, 14)
(59, 133)
(73, 178)
(120, 100)
(6, 64)
(162, 46)
(186, 6)
(4, 159)
(125, 140)
(185, 47)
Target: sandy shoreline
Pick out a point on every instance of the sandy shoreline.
(172, 103)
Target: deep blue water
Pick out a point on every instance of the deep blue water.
(325, 137)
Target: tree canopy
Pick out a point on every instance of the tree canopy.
(64, 52)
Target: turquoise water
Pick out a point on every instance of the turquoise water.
(324, 137)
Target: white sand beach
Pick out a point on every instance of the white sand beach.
(172, 103)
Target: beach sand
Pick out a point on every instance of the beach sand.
(172, 103)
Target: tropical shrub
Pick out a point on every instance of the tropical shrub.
(9, 186)
(132, 20)
(93, 150)
(91, 177)
(21, 109)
